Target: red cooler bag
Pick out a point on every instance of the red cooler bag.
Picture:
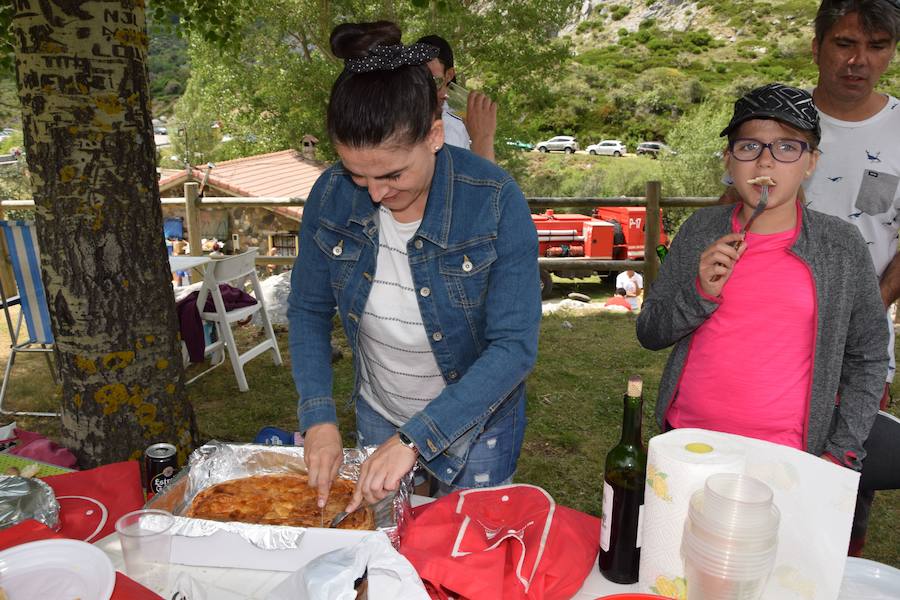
(504, 543)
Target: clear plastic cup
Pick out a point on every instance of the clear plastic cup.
(750, 535)
(708, 586)
(727, 560)
(146, 540)
(730, 539)
(457, 98)
(736, 500)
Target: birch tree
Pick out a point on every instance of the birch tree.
(82, 82)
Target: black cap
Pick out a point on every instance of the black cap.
(789, 105)
(445, 52)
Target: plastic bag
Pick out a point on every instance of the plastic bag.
(331, 576)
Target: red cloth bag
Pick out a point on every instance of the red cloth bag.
(509, 542)
(90, 502)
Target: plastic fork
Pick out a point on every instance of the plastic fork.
(760, 206)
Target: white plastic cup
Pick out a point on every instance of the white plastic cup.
(457, 98)
(146, 540)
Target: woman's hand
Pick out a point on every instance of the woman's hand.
(381, 473)
(323, 453)
(717, 262)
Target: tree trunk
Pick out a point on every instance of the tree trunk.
(82, 80)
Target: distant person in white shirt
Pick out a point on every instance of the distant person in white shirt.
(476, 131)
(633, 284)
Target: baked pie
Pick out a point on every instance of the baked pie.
(277, 499)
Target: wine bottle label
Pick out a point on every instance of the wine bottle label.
(640, 530)
(606, 516)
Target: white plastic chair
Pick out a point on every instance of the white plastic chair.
(25, 258)
(238, 268)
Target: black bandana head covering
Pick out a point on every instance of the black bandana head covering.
(789, 105)
(388, 58)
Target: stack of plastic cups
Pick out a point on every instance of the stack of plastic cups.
(730, 539)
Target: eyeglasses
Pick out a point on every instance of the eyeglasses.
(438, 81)
(785, 151)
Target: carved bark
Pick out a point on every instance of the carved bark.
(82, 80)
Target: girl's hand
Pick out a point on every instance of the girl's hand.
(717, 262)
(381, 473)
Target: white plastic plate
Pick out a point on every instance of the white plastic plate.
(870, 580)
(57, 570)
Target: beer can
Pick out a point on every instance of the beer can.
(160, 466)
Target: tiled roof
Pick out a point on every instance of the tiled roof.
(284, 174)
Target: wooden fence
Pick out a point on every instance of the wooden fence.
(652, 199)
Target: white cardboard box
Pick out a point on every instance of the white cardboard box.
(230, 549)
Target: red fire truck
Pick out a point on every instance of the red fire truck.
(611, 233)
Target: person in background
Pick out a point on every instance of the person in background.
(476, 132)
(633, 284)
(750, 358)
(429, 254)
(619, 300)
(859, 170)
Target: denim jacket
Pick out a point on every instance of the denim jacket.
(482, 320)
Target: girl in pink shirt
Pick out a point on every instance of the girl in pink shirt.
(770, 325)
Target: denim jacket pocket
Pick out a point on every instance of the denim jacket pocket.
(342, 251)
(466, 272)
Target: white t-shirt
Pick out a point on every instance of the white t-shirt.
(398, 371)
(455, 132)
(858, 179)
(630, 284)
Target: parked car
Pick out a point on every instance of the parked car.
(653, 149)
(519, 144)
(608, 148)
(160, 130)
(560, 143)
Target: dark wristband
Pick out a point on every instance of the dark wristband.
(404, 439)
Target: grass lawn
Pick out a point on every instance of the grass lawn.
(574, 405)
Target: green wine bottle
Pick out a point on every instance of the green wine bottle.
(662, 251)
(623, 495)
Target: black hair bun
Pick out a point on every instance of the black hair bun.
(354, 40)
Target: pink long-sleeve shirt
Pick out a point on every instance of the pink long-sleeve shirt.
(749, 367)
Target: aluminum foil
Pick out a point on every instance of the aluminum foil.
(27, 498)
(216, 462)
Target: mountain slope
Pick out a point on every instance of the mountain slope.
(639, 65)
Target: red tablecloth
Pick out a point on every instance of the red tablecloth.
(90, 502)
(32, 531)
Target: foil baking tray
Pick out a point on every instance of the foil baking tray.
(27, 498)
(216, 462)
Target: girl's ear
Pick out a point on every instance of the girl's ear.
(726, 162)
(813, 161)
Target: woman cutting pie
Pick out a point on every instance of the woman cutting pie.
(428, 253)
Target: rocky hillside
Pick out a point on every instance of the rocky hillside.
(638, 66)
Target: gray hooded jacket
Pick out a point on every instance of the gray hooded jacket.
(850, 357)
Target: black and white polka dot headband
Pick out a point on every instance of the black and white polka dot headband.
(388, 58)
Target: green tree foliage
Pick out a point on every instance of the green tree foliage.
(271, 87)
(697, 168)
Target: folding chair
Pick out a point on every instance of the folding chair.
(228, 270)
(24, 254)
